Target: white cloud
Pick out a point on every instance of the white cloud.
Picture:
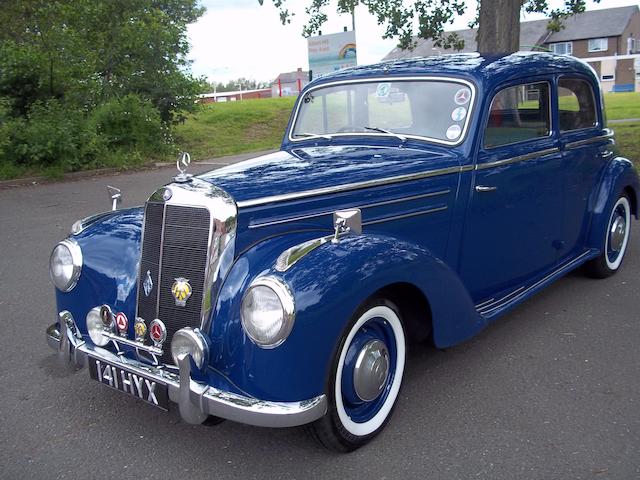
(240, 38)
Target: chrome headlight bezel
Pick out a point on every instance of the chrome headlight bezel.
(75, 253)
(287, 305)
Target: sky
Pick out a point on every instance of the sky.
(240, 38)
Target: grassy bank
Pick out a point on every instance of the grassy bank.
(622, 105)
(234, 127)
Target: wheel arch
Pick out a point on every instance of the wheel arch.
(413, 306)
(633, 198)
(619, 177)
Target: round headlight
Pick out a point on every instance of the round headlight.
(267, 312)
(65, 264)
(96, 327)
(188, 341)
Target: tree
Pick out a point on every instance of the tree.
(86, 83)
(498, 21)
(85, 52)
(233, 85)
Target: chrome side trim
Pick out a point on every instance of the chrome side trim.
(292, 255)
(565, 266)
(519, 158)
(290, 219)
(486, 302)
(490, 303)
(385, 79)
(405, 215)
(350, 186)
(405, 199)
(587, 141)
(195, 400)
(80, 225)
(361, 207)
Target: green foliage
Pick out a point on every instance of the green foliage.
(70, 68)
(130, 123)
(233, 85)
(423, 18)
(51, 133)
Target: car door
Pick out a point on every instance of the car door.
(512, 231)
(586, 148)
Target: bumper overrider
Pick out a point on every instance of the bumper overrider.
(195, 400)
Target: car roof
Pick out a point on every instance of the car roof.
(486, 70)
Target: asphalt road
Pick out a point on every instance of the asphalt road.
(551, 391)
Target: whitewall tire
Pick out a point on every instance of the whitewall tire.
(366, 378)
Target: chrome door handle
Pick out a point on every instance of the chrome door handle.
(484, 188)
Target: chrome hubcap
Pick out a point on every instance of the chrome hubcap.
(618, 231)
(371, 370)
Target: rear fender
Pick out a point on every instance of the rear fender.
(619, 176)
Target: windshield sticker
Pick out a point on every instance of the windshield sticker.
(453, 132)
(383, 90)
(459, 114)
(462, 96)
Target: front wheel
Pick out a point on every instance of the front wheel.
(615, 241)
(366, 378)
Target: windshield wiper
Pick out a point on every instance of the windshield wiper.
(313, 135)
(389, 132)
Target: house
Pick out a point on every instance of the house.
(608, 39)
(289, 83)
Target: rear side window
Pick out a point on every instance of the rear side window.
(576, 103)
(518, 114)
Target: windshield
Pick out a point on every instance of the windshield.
(436, 110)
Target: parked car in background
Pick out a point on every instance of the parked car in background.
(411, 200)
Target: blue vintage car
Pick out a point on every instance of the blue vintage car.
(411, 200)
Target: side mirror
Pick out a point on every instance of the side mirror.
(115, 195)
(346, 221)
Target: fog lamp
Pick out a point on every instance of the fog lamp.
(188, 341)
(96, 327)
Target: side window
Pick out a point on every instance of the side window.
(576, 103)
(517, 114)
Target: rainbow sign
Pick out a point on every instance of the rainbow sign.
(329, 53)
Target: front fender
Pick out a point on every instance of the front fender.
(618, 175)
(328, 285)
(110, 252)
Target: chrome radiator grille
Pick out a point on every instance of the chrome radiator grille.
(175, 244)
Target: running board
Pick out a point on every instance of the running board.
(492, 307)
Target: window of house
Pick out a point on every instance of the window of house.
(518, 114)
(563, 48)
(631, 45)
(576, 103)
(598, 44)
(608, 77)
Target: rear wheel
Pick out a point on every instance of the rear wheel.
(366, 378)
(615, 241)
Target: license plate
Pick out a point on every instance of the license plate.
(139, 386)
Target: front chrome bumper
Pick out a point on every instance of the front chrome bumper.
(195, 400)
